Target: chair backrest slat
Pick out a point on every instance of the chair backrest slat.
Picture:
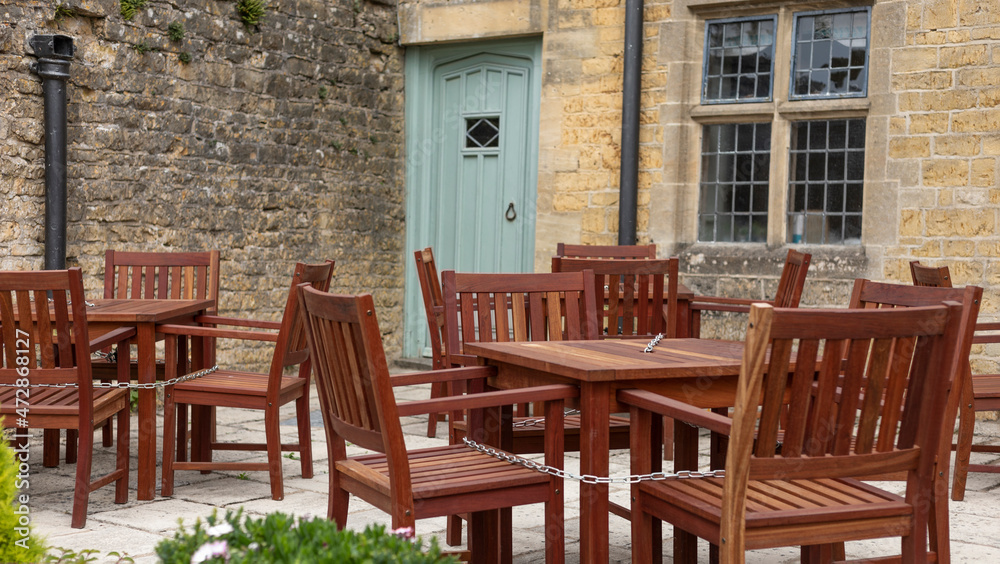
(291, 348)
(606, 251)
(934, 276)
(793, 279)
(856, 347)
(518, 307)
(633, 292)
(430, 290)
(352, 377)
(43, 327)
(161, 276)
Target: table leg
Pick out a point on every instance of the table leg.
(594, 460)
(146, 475)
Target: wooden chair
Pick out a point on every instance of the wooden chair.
(158, 276)
(879, 295)
(430, 290)
(47, 342)
(520, 308)
(888, 419)
(231, 388)
(356, 396)
(635, 304)
(979, 392)
(163, 276)
(606, 251)
(788, 294)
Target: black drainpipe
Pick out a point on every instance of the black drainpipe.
(631, 90)
(54, 53)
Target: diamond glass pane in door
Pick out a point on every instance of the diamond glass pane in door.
(482, 133)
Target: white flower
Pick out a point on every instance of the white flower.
(210, 550)
(223, 528)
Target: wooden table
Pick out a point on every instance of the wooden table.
(698, 371)
(144, 315)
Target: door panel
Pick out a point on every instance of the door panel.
(472, 138)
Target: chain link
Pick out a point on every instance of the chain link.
(533, 422)
(589, 478)
(124, 385)
(653, 343)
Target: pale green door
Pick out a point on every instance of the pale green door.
(472, 142)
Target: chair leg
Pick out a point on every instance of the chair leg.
(50, 447)
(338, 501)
(555, 531)
(643, 547)
(453, 536)
(273, 438)
(81, 493)
(305, 435)
(121, 485)
(437, 390)
(182, 432)
(107, 429)
(169, 438)
(71, 445)
(963, 450)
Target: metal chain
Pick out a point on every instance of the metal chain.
(589, 478)
(124, 385)
(533, 422)
(653, 343)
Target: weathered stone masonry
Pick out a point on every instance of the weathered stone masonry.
(274, 144)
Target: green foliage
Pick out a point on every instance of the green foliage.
(281, 538)
(251, 12)
(129, 8)
(67, 556)
(322, 93)
(243, 476)
(175, 31)
(133, 401)
(337, 145)
(63, 12)
(184, 57)
(143, 48)
(15, 509)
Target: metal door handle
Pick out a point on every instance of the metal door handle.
(511, 214)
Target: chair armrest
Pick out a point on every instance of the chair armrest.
(986, 339)
(718, 303)
(445, 375)
(676, 410)
(216, 332)
(237, 322)
(111, 338)
(488, 399)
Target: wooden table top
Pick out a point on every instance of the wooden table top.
(618, 360)
(143, 311)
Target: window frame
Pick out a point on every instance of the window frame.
(781, 111)
(705, 52)
(792, 96)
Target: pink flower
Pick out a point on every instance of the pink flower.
(210, 550)
(405, 532)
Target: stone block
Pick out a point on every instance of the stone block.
(959, 223)
(946, 172)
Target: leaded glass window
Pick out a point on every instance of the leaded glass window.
(826, 185)
(830, 54)
(735, 165)
(739, 60)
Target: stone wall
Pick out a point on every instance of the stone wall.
(275, 143)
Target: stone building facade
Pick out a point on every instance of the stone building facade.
(286, 141)
(929, 110)
(275, 143)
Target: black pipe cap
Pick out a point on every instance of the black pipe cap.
(52, 46)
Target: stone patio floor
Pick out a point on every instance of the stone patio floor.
(137, 526)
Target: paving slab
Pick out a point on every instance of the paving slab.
(135, 527)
